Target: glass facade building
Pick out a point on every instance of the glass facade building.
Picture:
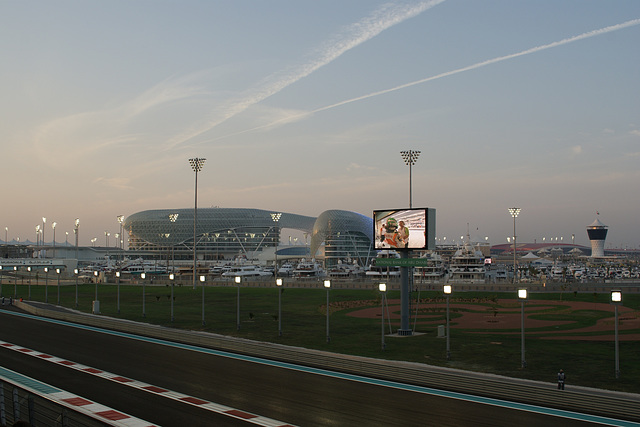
(225, 233)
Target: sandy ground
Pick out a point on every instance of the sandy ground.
(506, 314)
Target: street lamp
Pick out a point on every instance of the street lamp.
(58, 274)
(616, 300)
(96, 303)
(15, 281)
(118, 284)
(0, 280)
(171, 278)
(75, 231)
(327, 284)
(514, 213)
(238, 280)
(29, 270)
(279, 286)
(53, 225)
(447, 292)
(142, 277)
(202, 280)
(75, 273)
(382, 287)
(410, 157)
(522, 295)
(196, 165)
(46, 285)
(276, 217)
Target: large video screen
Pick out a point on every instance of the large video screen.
(404, 229)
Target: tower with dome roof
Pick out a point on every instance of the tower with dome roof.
(597, 233)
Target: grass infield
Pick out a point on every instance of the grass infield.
(578, 340)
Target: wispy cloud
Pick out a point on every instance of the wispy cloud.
(488, 62)
(84, 134)
(352, 36)
(296, 116)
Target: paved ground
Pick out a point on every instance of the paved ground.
(506, 314)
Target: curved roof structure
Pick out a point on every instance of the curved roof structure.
(347, 234)
(233, 231)
(157, 227)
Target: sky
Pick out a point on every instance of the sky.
(303, 106)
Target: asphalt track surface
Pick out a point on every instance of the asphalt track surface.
(292, 396)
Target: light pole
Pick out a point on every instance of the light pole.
(196, 165)
(406, 273)
(0, 280)
(410, 157)
(46, 285)
(447, 292)
(121, 239)
(171, 278)
(382, 287)
(118, 285)
(15, 281)
(96, 303)
(58, 274)
(279, 286)
(75, 273)
(522, 295)
(6, 235)
(53, 225)
(75, 231)
(327, 284)
(276, 217)
(514, 213)
(44, 221)
(29, 270)
(202, 280)
(616, 300)
(238, 280)
(142, 277)
(173, 218)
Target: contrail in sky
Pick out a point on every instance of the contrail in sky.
(456, 71)
(354, 35)
(488, 62)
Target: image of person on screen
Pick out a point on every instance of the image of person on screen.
(389, 233)
(403, 235)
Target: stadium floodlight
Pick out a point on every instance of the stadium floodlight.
(410, 157)
(514, 213)
(196, 165)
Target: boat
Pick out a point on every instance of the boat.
(249, 270)
(434, 270)
(308, 269)
(467, 265)
(140, 266)
(285, 269)
(345, 269)
(374, 271)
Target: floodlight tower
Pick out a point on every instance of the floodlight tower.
(75, 231)
(514, 213)
(121, 238)
(410, 157)
(276, 217)
(196, 165)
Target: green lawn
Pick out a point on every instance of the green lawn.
(587, 363)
